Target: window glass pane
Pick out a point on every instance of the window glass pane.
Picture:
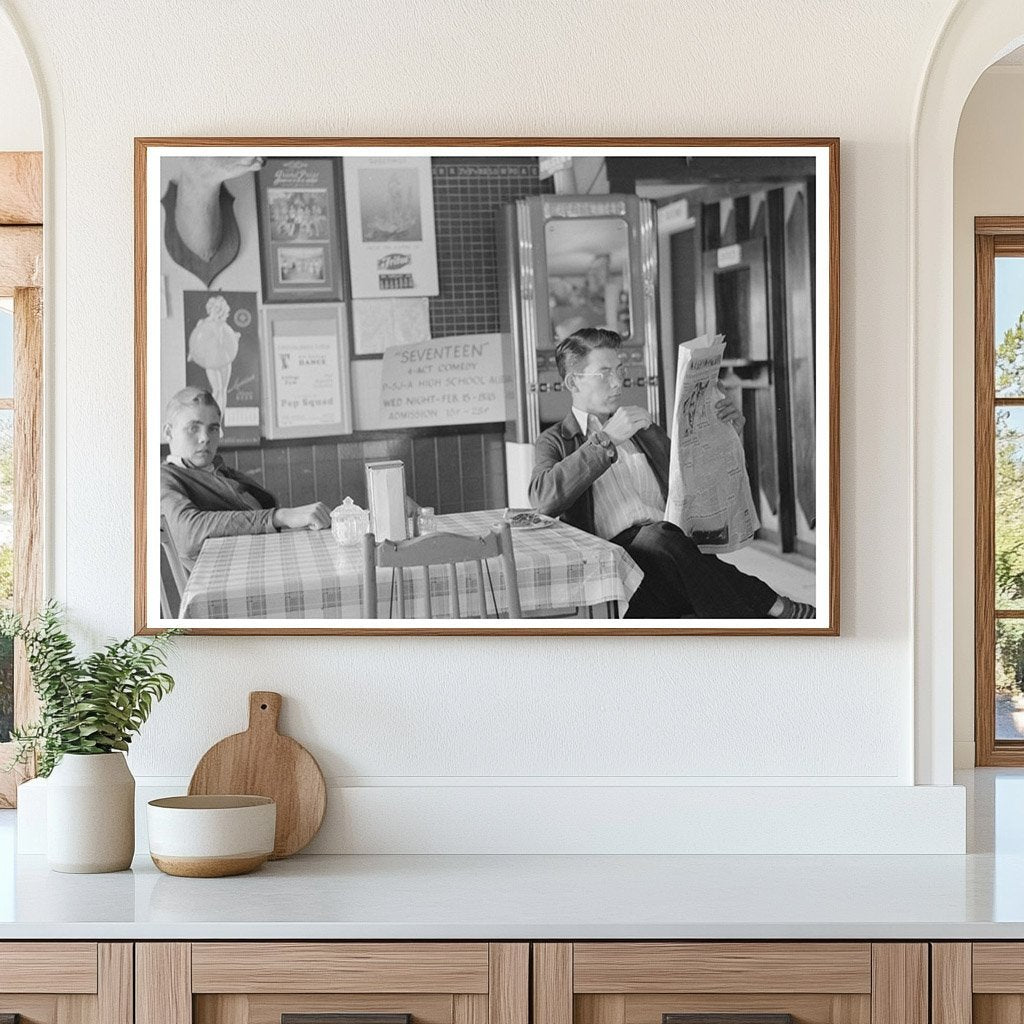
(6, 689)
(1009, 679)
(6, 353)
(6, 567)
(1009, 481)
(1009, 317)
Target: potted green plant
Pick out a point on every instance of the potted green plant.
(90, 708)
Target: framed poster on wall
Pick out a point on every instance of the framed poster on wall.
(222, 356)
(390, 204)
(307, 391)
(299, 230)
(523, 320)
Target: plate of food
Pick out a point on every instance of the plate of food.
(527, 519)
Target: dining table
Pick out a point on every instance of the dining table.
(308, 574)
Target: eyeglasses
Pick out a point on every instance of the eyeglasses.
(606, 373)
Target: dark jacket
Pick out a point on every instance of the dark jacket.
(197, 504)
(566, 464)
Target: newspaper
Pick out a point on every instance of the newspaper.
(709, 495)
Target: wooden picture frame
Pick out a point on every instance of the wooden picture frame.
(779, 195)
(297, 343)
(994, 237)
(300, 230)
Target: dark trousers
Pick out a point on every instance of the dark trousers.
(680, 580)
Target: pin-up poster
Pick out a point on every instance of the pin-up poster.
(389, 205)
(222, 356)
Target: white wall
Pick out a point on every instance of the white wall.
(21, 127)
(440, 715)
(987, 182)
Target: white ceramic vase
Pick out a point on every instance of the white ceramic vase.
(90, 814)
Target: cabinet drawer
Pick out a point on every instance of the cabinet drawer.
(634, 967)
(981, 982)
(998, 967)
(58, 967)
(340, 967)
(262, 982)
(730, 983)
(66, 982)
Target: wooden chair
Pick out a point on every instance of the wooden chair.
(172, 574)
(447, 549)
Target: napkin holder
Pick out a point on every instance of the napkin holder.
(385, 493)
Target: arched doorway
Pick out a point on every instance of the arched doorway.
(21, 347)
(976, 34)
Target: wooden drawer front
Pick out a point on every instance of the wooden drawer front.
(311, 967)
(58, 967)
(998, 967)
(997, 981)
(648, 1009)
(257, 982)
(267, 1009)
(710, 967)
(48, 970)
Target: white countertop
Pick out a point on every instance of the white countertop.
(516, 897)
(977, 896)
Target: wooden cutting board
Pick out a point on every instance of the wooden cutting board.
(262, 762)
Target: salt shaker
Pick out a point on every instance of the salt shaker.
(425, 522)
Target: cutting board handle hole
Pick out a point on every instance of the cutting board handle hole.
(263, 707)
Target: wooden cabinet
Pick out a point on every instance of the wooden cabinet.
(512, 982)
(66, 982)
(258, 982)
(814, 982)
(978, 983)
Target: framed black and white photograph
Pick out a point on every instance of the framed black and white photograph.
(299, 228)
(487, 386)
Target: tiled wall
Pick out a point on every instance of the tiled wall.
(467, 195)
(462, 468)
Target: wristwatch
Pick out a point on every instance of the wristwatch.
(605, 442)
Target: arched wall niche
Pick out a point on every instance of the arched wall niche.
(976, 34)
(986, 182)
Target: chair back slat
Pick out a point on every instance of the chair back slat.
(453, 590)
(369, 576)
(445, 550)
(508, 568)
(436, 549)
(481, 590)
(399, 575)
(426, 591)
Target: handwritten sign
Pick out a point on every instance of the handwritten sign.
(442, 381)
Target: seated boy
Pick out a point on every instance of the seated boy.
(200, 497)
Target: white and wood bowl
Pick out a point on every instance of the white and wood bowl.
(211, 836)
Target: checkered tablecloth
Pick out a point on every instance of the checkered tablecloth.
(307, 575)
